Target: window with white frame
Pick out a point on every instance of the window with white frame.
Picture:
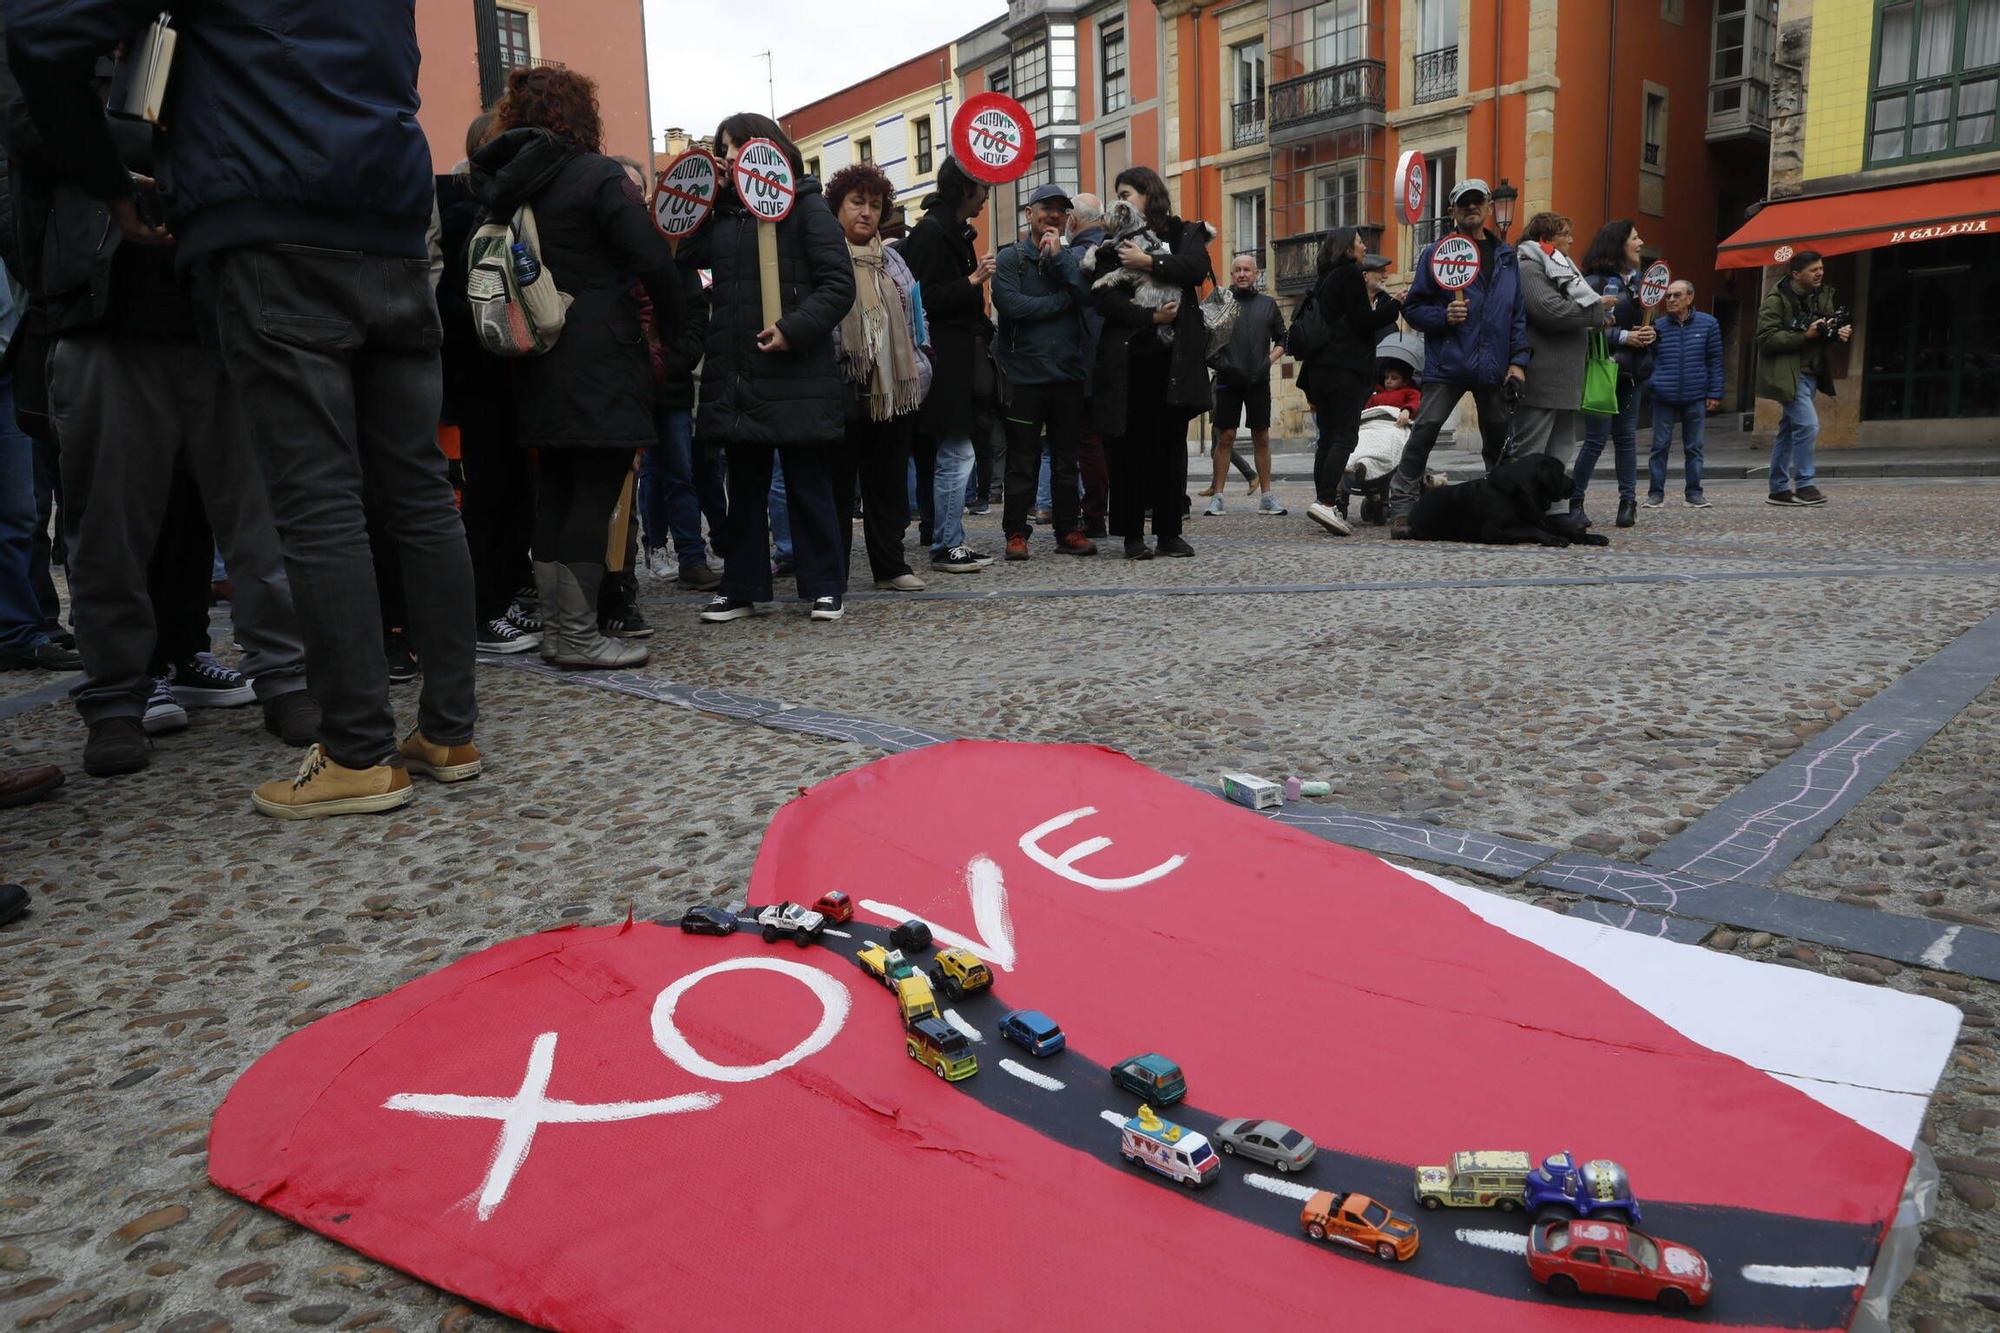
(1337, 197)
(1247, 223)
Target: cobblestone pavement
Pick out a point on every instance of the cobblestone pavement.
(176, 937)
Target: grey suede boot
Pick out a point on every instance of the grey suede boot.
(545, 597)
(583, 645)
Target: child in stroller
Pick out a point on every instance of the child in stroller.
(1385, 425)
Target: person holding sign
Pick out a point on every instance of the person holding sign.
(1475, 342)
(1687, 386)
(774, 384)
(1611, 266)
(586, 404)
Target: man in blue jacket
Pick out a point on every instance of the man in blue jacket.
(1039, 294)
(1475, 341)
(300, 188)
(1686, 387)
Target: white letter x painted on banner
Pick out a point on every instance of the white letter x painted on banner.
(529, 1109)
(1065, 864)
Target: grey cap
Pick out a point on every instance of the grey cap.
(1472, 186)
(1374, 263)
(1044, 193)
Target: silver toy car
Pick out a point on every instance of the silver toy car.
(1278, 1146)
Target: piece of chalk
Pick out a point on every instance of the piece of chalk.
(1291, 789)
(1314, 788)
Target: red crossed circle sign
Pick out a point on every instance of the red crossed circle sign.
(993, 138)
(1411, 185)
(764, 180)
(1455, 262)
(1654, 282)
(686, 192)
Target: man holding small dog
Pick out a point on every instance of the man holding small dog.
(1039, 295)
(1475, 342)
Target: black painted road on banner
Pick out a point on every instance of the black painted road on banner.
(1476, 1249)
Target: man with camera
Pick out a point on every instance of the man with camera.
(1795, 325)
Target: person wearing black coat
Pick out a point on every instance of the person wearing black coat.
(1338, 378)
(585, 405)
(953, 278)
(1144, 390)
(775, 387)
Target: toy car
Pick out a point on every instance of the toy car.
(1477, 1179)
(802, 924)
(914, 998)
(910, 937)
(706, 920)
(1357, 1221)
(959, 972)
(1151, 1078)
(1172, 1150)
(1610, 1259)
(1267, 1141)
(1032, 1030)
(933, 1042)
(835, 906)
(1560, 1188)
(887, 966)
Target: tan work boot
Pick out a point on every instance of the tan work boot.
(443, 763)
(324, 787)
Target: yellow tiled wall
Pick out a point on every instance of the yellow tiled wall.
(1843, 35)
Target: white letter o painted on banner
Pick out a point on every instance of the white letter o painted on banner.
(833, 999)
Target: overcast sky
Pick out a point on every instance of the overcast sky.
(704, 61)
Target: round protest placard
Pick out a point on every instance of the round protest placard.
(992, 138)
(1411, 185)
(764, 180)
(1455, 262)
(686, 193)
(1653, 283)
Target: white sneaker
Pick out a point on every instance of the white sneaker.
(1269, 505)
(1329, 518)
(163, 712)
(1214, 509)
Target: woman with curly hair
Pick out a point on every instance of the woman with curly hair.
(887, 372)
(586, 405)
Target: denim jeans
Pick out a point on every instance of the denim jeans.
(672, 496)
(1792, 447)
(1693, 420)
(780, 509)
(950, 467)
(1623, 432)
(333, 355)
(21, 626)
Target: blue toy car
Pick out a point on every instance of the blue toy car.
(1032, 1030)
(1559, 1187)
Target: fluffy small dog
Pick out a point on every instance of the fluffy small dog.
(1125, 223)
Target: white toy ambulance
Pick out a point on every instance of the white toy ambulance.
(1173, 1151)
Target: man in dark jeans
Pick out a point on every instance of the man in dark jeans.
(316, 290)
(1039, 294)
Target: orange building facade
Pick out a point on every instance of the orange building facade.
(470, 45)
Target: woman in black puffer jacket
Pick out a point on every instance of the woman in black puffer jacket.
(1338, 377)
(774, 388)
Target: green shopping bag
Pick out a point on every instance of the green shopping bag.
(1600, 378)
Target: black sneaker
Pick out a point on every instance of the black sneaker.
(960, 560)
(203, 682)
(626, 624)
(293, 718)
(163, 712)
(1808, 495)
(1783, 499)
(402, 662)
(827, 608)
(499, 635)
(524, 612)
(116, 745)
(1136, 549)
(721, 608)
(1174, 546)
(48, 655)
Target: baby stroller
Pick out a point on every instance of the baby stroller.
(1380, 446)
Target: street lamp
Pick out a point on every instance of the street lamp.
(1503, 205)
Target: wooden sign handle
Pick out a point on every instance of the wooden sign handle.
(767, 271)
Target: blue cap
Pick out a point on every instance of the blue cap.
(1044, 193)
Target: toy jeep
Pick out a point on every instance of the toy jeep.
(1475, 1179)
(958, 972)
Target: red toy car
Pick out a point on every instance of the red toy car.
(1610, 1259)
(835, 906)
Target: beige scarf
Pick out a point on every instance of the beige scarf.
(875, 336)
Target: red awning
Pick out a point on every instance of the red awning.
(1836, 224)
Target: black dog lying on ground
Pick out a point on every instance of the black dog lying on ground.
(1509, 508)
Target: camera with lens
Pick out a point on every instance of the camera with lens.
(1832, 322)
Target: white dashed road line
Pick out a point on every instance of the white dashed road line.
(972, 1033)
(1112, 1118)
(1776, 1276)
(837, 934)
(1272, 1185)
(1507, 1242)
(1027, 1075)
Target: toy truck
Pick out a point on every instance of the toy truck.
(1560, 1188)
(958, 972)
(1175, 1152)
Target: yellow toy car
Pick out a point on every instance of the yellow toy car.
(959, 972)
(932, 1042)
(914, 998)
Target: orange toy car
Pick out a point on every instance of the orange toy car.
(1357, 1221)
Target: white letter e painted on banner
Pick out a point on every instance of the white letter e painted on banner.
(1065, 864)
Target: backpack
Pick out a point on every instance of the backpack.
(1310, 331)
(516, 309)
